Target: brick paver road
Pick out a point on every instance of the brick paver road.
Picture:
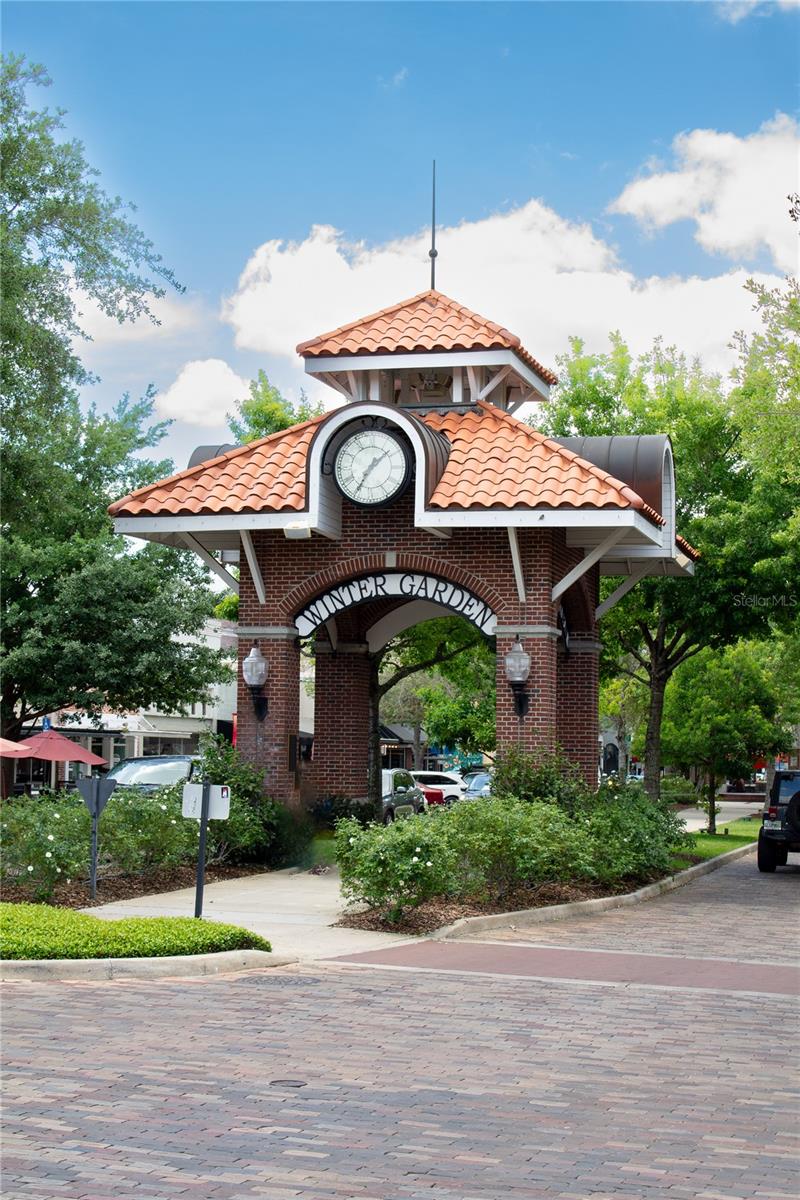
(443, 1086)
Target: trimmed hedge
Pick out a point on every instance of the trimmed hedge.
(39, 931)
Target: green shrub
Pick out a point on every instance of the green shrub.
(492, 847)
(503, 842)
(541, 776)
(39, 931)
(395, 866)
(633, 836)
(678, 790)
(140, 831)
(43, 840)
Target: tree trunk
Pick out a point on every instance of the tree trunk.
(712, 802)
(652, 744)
(374, 789)
(417, 746)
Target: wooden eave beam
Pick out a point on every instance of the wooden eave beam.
(586, 563)
(252, 562)
(213, 563)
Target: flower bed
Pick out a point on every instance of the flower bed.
(489, 852)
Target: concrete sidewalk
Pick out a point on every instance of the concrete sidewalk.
(729, 810)
(294, 910)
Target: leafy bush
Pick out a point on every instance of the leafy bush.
(39, 931)
(549, 777)
(633, 837)
(395, 866)
(678, 790)
(140, 831)
(291, 845)
(44, 841)
(491, 847)
(249, 833)
(502, 842)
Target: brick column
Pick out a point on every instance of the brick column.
(268, 744)
(578, 722)
(341, 713)
(536, 731)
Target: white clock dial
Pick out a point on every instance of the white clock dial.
(371, 467)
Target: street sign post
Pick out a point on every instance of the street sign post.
(96, 793)
(204, 801)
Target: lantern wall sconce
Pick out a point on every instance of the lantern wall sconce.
(255, 670)
(518, 668)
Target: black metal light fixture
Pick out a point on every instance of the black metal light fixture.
(255, 670)
(518, 668)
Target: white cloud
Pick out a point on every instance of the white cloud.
(394, 81)
(735, 11)
(205, 390)
(733, 188)
(176, 316)
(542, 276)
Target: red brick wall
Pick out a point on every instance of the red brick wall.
(296, 571)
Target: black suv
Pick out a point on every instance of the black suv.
(780, 823)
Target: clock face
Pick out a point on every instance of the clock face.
(372, 467)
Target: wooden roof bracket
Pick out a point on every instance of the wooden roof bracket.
(519, 576)
(636, 574)
(214, 563)
(252, 562)
(586, 562)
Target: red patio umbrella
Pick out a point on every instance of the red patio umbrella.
(14, 749)
(54, 747)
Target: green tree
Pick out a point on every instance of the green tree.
(459, 708)
(266, 411)
(738, 515)
(624, 703)
(85, 622)
(721, 713)
(430, 644)
(766, 398)
(62, 241)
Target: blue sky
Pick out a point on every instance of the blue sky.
(562, 190)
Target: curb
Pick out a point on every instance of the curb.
(178, 965)
(586, 908)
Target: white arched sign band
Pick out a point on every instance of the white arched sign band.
(411, 585)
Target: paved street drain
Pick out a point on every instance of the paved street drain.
(295, 1083)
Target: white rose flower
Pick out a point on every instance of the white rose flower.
(352, 841)
(30, 868)
(57, 816)
(428, 864)
(50, 837)
(163, 807)
(58, 870)
(417, 850)
(415, 859)
(48, 854)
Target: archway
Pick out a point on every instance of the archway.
(352, 622)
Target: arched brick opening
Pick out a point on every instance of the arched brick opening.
(343, 658)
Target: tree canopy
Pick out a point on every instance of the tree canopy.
(731, 504)
(86, 622)
(722, 712)
(267, 411)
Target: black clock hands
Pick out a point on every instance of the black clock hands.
(369, 470)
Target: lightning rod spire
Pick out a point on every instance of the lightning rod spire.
(433, 252)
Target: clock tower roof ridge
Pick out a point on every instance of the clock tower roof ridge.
(425, 323)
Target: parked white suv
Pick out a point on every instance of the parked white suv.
(450, 782)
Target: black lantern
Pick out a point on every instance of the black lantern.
(255, 670)
(518, 668)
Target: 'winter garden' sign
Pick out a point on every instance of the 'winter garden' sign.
(411, 585)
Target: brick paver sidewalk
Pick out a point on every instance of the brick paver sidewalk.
(435, 1085)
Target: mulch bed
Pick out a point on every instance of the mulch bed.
(433, 914)
(125, 887)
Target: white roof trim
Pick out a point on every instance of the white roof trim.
(339, 364)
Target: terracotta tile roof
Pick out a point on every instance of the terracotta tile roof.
(427, 322)
(264, 476)
(495, 461)
(682, 544)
